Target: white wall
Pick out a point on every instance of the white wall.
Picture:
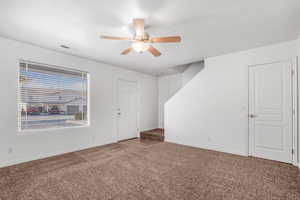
(191, 71)
(167, 87)
(103, 126)
(211, 110)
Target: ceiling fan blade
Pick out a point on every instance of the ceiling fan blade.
(167, 39)
(139, 26)
(126, 51)
(154, 51)
(114, 38)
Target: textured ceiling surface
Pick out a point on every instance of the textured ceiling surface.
(208, 27)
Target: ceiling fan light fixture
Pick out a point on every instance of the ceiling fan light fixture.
(140, 46)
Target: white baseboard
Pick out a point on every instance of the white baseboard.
(212, 147)
(6, 163)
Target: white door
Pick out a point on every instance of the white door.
(127, 109)
(270, 111)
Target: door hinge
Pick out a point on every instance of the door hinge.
(293, 151)
(293, 111)
(293, 72)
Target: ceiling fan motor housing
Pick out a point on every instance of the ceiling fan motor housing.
(144, 37)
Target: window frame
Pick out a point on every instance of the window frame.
(18, 100)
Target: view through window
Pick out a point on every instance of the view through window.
(52, 97)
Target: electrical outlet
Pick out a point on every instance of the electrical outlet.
(209, 139)
(10, 150)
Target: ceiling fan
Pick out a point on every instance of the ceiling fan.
(141, 39)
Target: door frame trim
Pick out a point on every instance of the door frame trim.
(295, 135)
(295, 96)
(119, 78)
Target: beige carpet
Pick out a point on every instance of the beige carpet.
(135, 170)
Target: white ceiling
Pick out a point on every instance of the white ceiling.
(208, 27)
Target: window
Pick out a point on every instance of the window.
(51, 97)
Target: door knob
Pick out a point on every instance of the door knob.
(252, 116)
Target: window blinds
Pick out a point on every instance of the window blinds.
(51, 97)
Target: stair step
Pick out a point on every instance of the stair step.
(154, 134)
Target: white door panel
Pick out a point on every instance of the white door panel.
(272, 137)
(270, 109)
(127, 109)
